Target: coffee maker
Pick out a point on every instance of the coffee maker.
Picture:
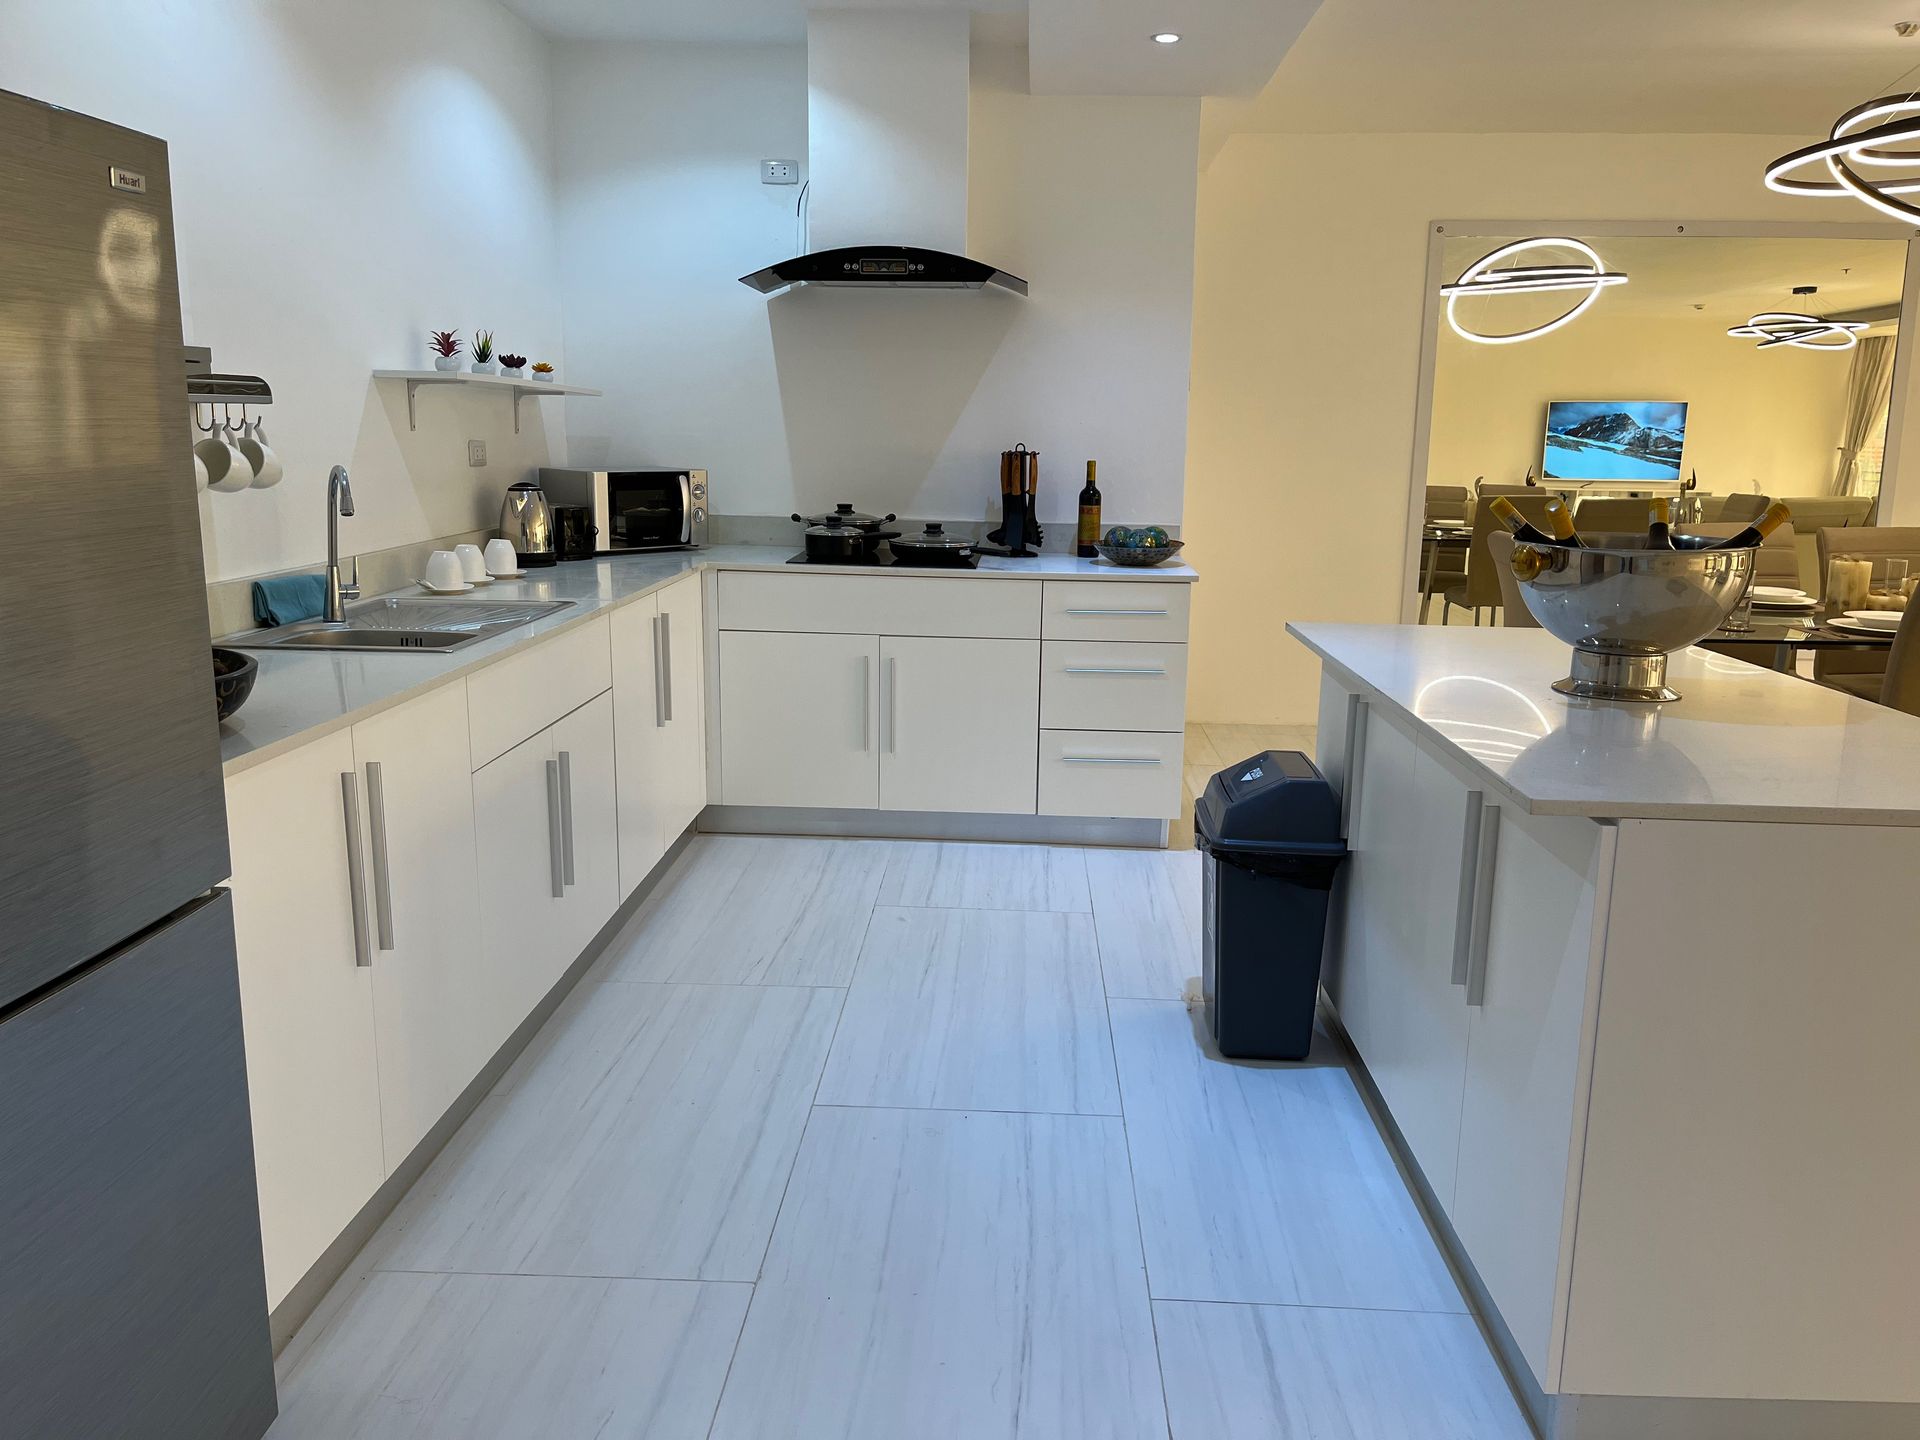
(526, 523)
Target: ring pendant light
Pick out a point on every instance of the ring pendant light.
(1481, 278)
(1804, 332)
(1881, 134)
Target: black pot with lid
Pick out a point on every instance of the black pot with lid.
(934, 546)
(844, 514)
(845, 537)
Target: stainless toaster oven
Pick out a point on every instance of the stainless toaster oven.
(635, 509)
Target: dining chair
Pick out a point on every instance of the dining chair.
(1611, 515)
(1860, 672)
(1486, 490)
(1447, 503)
(1742, 506)
(1480, 589)
(1901, 688)
(1513, 606)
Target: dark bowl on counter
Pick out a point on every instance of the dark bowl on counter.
(233, 676)
(1140, 555)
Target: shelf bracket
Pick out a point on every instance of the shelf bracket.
(412, 423)
(518, 396)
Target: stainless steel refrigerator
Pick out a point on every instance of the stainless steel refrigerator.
(132, 1299)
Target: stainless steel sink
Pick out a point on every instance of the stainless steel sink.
(394, 624)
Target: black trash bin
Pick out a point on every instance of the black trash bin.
(1269, 834)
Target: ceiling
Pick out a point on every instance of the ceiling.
(1076, 47)
(1732, 278)
(1738, 66)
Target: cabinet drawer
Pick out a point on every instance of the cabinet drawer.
(523, 694)
(881, 605)
(1111, 685)
(1110, 773)
(1116, 610)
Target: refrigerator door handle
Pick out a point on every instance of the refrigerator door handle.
(356, 868)
(382, 880)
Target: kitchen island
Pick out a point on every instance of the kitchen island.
(1635, 988)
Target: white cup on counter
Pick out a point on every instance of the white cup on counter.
(473, 565)
(500, 559)
(443, 572)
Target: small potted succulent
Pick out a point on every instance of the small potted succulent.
(446, 346)
(483, 352)
(543, 371)
(514, 366)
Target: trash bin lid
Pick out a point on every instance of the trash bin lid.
(1276, 802)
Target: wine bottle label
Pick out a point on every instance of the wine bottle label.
(1089, 525)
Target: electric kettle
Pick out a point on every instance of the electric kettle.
(526, 523)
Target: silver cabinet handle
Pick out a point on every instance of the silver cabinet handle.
(1487, 851)
(659, 680)
(1110, 759)
(893, 705)
(1469, 876)
(666, 660)
(1116, 612)
(382, 880)
(566, 816)
(866, 703)
(1116, 670)
(554, 864)
(356, 866)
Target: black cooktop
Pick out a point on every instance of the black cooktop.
(959, 562)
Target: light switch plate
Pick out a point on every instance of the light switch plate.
(476, 453)
(779, 172)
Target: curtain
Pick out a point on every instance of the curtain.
(1869, 387)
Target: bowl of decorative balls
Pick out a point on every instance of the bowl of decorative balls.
(1148, 545)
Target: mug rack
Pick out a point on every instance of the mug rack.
(206, 387)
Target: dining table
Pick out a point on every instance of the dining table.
(1777, 636)
(1435, 538)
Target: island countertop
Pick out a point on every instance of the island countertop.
(301, 695)
(1742, 742)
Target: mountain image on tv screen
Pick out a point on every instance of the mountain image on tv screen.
(1614, 439)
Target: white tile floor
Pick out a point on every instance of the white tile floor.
(849, 1140)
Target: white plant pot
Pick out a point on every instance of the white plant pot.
(485, 367)
(515, 374)
(446, 362)
(544, 376)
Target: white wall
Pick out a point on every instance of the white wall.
(348, 174)
(897, 400)
(1766, 420)
(1308, 302)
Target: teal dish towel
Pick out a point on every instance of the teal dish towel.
(283, 599)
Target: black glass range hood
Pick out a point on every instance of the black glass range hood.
(899, 267)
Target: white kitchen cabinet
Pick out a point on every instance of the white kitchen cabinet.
(683, 634)
(957, 726)
(799, 719)
(436, 1009)
(590, 848)
(1517, 1115)
(1410, 832)
(643, 753)
(516, 803)
(306, 1006)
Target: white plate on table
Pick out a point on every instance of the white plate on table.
(459, 589)
(1887, 620)
(1854, 627)
(1779, 592)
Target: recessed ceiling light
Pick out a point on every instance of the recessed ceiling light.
(1166, 37)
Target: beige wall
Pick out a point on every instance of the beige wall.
(1766, 420)
(1309, 271)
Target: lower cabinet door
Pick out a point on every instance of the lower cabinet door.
(516, 804)
(590, 844)
(437, 1020)
(1523, 1056)
(643, 753)
(306, 1007)
(683, 633)
(959, 724)
(799, 719)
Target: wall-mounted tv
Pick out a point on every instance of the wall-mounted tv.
(1614, 439)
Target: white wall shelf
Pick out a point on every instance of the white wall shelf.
(520, 388)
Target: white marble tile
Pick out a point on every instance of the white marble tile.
(1264, 1183)
(986, 877)
(653, 1138)
(510, 1357)
(1265, 1372)
(754, 910)
(1149, 938)
(951, 1276)
(975, 1010)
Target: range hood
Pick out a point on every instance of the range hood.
(887, 99)
(902, 267)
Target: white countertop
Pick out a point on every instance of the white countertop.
(1742, 742)
(301, 695)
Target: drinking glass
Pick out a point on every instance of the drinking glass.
(1740, 621)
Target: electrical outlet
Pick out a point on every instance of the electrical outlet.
(476, 453)
(779, 172)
